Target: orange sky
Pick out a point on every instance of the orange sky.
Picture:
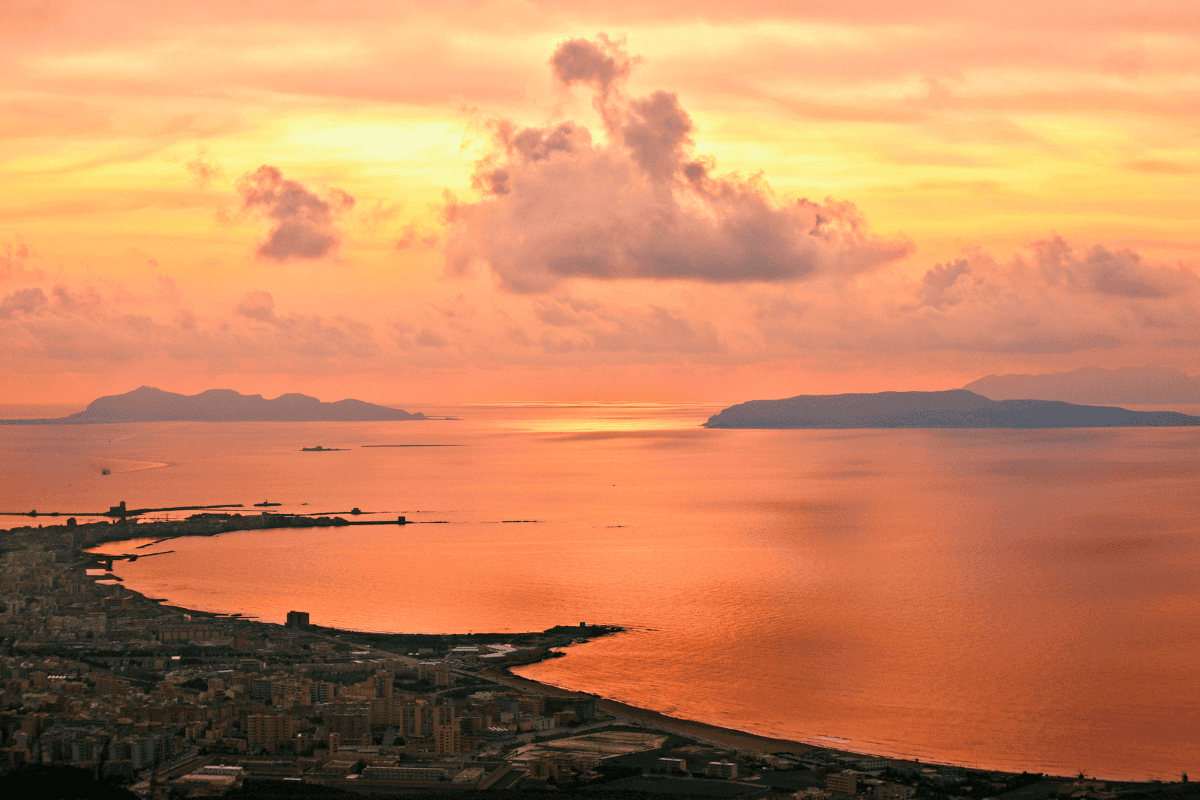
(430, 202)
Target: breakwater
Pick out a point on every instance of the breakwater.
(93, 534)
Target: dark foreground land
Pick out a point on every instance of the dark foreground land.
(106, 693)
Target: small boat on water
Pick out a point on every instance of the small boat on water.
(266, 504)
(106, 471)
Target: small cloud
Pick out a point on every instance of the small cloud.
(375, 214)
(936, 285)
(203, 170)
(428, 338)
(12, 265)
(258, 305)
(602, 63)
(413, 237)
(167, 288)
(304, 222)
(409, 338)
(23, 301)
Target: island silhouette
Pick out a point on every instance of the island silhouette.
(955, 408)
(147, 404)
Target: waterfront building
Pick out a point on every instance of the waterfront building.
(721, 769)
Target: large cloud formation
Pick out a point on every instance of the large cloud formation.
(556, 204)
(303, 221)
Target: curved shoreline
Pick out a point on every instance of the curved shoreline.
(716, 734)
(721, 736)
(741, 740)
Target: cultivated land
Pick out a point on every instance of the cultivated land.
(103, 688)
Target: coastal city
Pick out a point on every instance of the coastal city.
(171, 703)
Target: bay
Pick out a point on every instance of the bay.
(1006, 599)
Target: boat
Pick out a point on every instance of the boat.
(106, 471)
(266, 504)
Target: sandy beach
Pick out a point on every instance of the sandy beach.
(712, 734)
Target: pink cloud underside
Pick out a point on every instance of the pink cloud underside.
(302, 223)
(641, 205)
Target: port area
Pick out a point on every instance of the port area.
(94, 534)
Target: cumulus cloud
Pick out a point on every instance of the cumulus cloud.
(303, 221)
(1114, 272)
(557, 204)
(1051, 299)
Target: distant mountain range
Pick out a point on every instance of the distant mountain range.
(148, 404)
(1138, 385)
(956, 408)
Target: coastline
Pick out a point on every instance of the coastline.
(716, 735)
(708, 733)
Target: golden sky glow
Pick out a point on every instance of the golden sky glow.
(1026, 178)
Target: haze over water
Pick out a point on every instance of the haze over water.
(1009, 599)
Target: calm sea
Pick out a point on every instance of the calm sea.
(1006, 599)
